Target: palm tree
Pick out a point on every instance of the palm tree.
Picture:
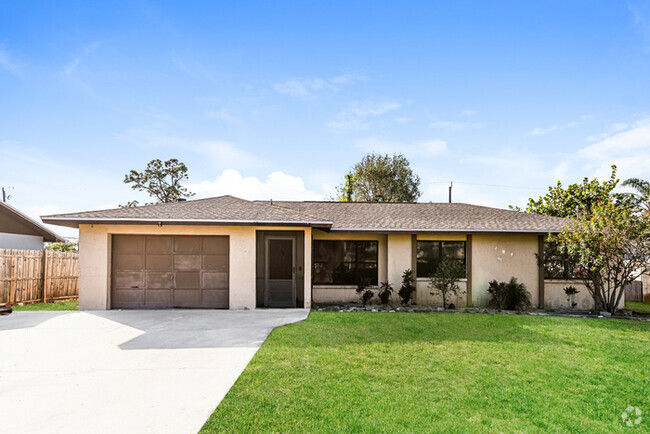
(642, 194)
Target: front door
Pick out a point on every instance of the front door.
(280, 272)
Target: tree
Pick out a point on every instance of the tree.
(67, 246)
(610, 244)
(576, 198)
(380, 178)
(444, 281)
(162, 180)
(568, 202)
(641, 198)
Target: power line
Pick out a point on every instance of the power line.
(488, 185)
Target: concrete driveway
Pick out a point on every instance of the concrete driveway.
(125, 371)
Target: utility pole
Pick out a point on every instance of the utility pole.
(450, 186)
(5, 196)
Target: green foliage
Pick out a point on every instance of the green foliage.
(408, 286)
(346, 192)
(571, 292)
(381, 178)
(385, 290)
(610, 246)
(363, 291)
(161, 180)
(641, 197)
(444, 281)
(510, 295)
(67, 246)
(576, 198)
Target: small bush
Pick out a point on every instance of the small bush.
(385, 290)
(408, 286)
(364, 292)
(508, 296)
(445, 280)
(571, 292)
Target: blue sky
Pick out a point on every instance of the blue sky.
(279, 99)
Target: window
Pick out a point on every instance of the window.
(345, 262)
(431, 253)
(557, 264)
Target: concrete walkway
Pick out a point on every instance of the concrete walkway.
(125, 371)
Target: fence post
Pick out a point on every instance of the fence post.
(45, 276)
(12, 276)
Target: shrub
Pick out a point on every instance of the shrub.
(408, 286)
(510, 295)
(571, 292)
(364, 292)
(445, 280)
(385, 289)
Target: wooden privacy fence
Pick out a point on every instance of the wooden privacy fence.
(634, 291)
(32, 276)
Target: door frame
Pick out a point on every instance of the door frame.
(267, 252)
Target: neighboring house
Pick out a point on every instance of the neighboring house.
(17, 231)
(226, 252)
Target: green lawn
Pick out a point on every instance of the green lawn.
(638, 306)
(397, 372)
(62, 305)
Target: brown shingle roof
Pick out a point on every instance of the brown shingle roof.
(337, 216)
(426, 217)
(214, 210)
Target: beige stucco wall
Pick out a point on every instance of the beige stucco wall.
(555, 298)
(501, 257)
(400, 257)
(95, 259)
(423, 295)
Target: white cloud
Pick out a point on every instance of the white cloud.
(308, 88)
(7, 62)
(223, 154)
(402, 120)
(277, 185)
(354, 116)
(456, 126)
(224, 116)
(641, 14)
(468, 113)
(627, 146)
(71, 67)
(427, 148)
(557, 127)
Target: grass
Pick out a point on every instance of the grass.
(638, 306)
(61, 305)
(400, 372)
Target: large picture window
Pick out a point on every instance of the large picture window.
(345, 262)
(431, 253)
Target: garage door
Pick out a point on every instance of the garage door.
(156, 271)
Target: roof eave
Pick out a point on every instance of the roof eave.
(448, 231)
(47, 234)
(74, 222)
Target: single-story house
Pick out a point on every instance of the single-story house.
(17, 231)
(226, 252)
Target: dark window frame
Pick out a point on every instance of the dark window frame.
(420, 271)
(374, 281)
(557, 265)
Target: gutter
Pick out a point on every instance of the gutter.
(446, 231)
(75, 221)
